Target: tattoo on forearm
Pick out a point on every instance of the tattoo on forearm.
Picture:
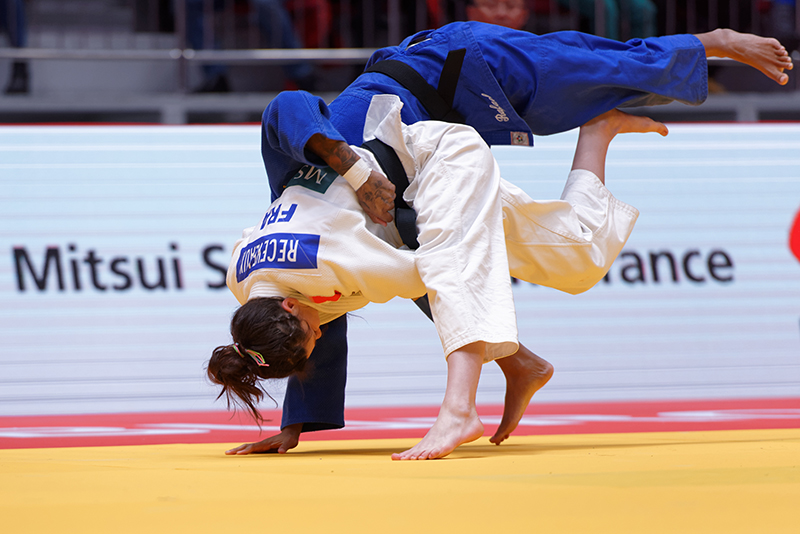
(337, 154)
(344, 156)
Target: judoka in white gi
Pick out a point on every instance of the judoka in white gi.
(316, 256)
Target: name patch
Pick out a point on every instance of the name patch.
(314, 178)
(278, 251)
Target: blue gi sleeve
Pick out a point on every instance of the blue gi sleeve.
(286, 126)
(317, 400)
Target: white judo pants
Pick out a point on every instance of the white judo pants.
(475, 229)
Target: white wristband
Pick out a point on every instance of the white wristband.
(357, 174)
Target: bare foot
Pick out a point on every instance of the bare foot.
(596, 135)
(450, 430)
(763, 53)
(457, 421)
(526, 373)
(615, 122)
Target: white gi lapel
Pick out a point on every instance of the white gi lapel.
(383, 122)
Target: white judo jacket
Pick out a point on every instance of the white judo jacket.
(316, 244)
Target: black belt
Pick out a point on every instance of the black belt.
(439, 104)
(405, 218)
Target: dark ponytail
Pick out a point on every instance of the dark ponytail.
(263, 326)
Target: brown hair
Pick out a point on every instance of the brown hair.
(261, 325)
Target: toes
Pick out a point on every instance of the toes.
(423, 454)
(430, 455)
(411, 454)
(497, 440)
(776, 73)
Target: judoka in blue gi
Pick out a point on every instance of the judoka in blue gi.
(507, 84)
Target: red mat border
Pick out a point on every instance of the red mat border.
(49, 431)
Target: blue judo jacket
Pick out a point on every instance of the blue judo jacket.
(512, 85)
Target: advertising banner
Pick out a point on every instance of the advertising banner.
(114, 243)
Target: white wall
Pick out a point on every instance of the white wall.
(116, 195)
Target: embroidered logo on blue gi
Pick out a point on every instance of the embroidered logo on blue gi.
(317, 179)
(520, 138)
(501, 113)
(278, 251)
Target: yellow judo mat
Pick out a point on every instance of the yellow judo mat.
(717, 481)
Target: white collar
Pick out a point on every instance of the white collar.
(383, 122)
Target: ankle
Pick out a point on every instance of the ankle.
(459, 409)
(600, 129)
(717, 42)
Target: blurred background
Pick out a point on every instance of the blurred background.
(213, 61)
(114, 239)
